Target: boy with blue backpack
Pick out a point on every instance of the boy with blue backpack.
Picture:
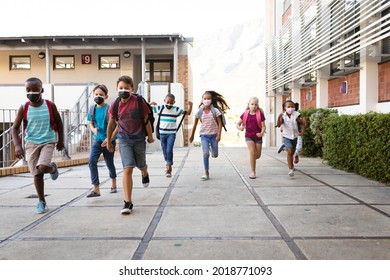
(98, 120)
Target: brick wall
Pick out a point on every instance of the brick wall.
(384, 82)
(306, 104)
(336, 99)
(183, 79)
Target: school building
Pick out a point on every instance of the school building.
(327, 54)
(70, 66)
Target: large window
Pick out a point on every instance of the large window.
(158, 70)
(109, 61)
(63, 62)
(20, 62)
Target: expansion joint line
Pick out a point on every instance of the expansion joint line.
(275, 222)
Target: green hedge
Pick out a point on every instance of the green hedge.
(312, 143)
(358, 143)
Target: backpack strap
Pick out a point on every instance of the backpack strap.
(116, 107)
(25, 109)
(213, 111)
(92, 112)
(181, 121)
(53, 124)
(245, 117)
(200, 113)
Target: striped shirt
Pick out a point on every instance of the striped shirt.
(38, 129)
(168, 118)
(209, 125)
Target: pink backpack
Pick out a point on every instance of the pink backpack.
(258, 117)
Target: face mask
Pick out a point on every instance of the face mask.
(124, 94)
(290, 110)
(98, 100)
(206, 102)
(168, 106)
(34, 96)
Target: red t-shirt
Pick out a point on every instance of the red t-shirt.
(252, 126)
(129, 119)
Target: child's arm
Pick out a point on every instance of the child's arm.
(92, 127)
(219, 121)
(193, 130)
(239, 125)
(60, 127)
(189, 110)
(148, 129)
(110, 134)
(302, 123)
(280, 120)
(15, 133)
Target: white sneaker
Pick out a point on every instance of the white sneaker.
(291, 173)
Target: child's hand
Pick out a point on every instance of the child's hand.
(60, 146)
(94, 130)
(153, 103)
(259, 134)
(19, 153)
(218, 138)
(104, 144)
(241, 128)
(110, 147)
(191, 139)
(190, 103)
(150, 140)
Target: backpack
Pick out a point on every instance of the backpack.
(53, 124)
(214, 112)
(258, 117)
(92, 112)
(140, 99)
(158, 122)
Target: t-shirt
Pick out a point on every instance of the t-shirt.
(38, 129)
(100, 122)
(168, 118)
(129, 119)
(209, 125)
(290, 125)
(252, 126)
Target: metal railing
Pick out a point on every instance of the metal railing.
(77, 135)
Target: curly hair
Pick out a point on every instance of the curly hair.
(217, 100)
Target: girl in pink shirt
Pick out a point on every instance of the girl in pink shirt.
(210, 115)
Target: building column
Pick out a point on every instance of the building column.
(368, 82)
(322, 90)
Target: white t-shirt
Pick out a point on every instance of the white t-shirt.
(290, 125)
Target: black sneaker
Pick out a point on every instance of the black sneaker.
(127, 208)
(145, 180)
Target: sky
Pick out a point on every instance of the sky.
(123, 17)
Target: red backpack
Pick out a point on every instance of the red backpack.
(258, 117)
(53, 124)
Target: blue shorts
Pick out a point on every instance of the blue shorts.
(259, 141)
(288, 143)
(132, 154)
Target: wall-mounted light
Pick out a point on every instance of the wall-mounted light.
(127, 54)
(41, 55)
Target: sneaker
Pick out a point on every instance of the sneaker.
(205, 178)
(291, 173)
(127, 208)
(145, 180)
(168, 174)
(41, 207)
(54, 175)
(281, 148)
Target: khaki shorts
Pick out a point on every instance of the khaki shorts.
(40, 154)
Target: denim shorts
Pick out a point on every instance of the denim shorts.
(289, 143)
(133, 154)
(259, 141)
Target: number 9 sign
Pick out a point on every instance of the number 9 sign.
(86, 59)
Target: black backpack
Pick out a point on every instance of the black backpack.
(140, 99)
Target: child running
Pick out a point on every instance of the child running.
(98, 120)
(210, 115)
(252, 120)
(289, 122)
(167, 116)
(41, 121)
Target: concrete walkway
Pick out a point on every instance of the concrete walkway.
(320, 213)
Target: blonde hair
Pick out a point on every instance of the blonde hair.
(252, 98)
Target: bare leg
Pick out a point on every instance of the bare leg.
(252, 157)
(128, 183)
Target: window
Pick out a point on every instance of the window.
(63, 62)
(19, 62)
(109, 61)
(158, 71)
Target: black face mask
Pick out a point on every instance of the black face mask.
(34, 98)
(98, 100)
(168, 106)
(124, 94)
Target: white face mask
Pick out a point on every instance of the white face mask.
(290, 110)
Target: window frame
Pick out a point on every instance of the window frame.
(55, 57)
(152, 72)
(109, 55)
(11, 57)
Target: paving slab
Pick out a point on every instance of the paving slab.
(218, 250)
(370, 194)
